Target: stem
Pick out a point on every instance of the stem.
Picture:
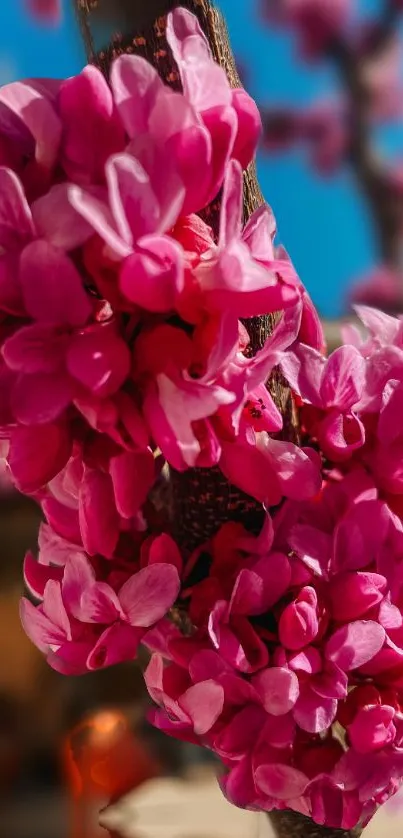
(202, 498)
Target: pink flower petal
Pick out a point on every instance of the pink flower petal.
(343, 378)
(204, 703)
(153, 276)
(99, 359)
(33, 349)
(88, 142)
(355, 644)
(281, 781)
(16, 225)
(57, 221)
(39, 628)
(99, 519)
(278, 689)
(52, 287)
(149, 594)
(38, 115)
(37, 454)
(40, 398)
(314, 713)
(117, 644)
(133, 475)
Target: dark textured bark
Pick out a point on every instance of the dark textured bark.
(202, 499)
(292, 825)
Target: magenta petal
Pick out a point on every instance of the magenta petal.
(164, 549)
(149, 594)
(133, 202)
(11, 300)
(117, 644)
(78, 577)
(239, 786)
(314, 713)
(37, 454)
(343, 378)
(281, 781)
(33, 349)
(38, 115)
(253, 476)
(39, 628)
(238, 737)
(249, 127)
(352, 594)
(37, 575)
(58, 222)
(355, 644)
(278, 690)
(203, 703)
(135, 84)
(99, 520)
(92, 129)
(153, 276)
(52, 287)
(100, 604)
(39, 398)
(16, 225)
(99, 359)
(133, 475)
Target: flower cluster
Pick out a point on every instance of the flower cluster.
(293, 671)
(124, 354)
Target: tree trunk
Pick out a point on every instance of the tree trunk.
(289, 824)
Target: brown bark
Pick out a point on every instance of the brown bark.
(202, 499)
(289, 824)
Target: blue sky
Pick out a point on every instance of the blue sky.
(323, 223)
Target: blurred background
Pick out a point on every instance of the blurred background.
(331, 166)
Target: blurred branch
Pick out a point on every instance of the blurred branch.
(386, 206)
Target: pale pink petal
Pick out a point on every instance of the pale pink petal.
(314, 713)
(149, 594)
(16, 225)
(281, 781)
(249, 127)
(54, 607)
(52, 287)
(98, 215)
(205, 82)
(343, 378)
(355, 644)
(135, 84)
(78, 577)
(39, 628)
(278, 690)
(132, 199)
(231, 207)
(203, 703)
(57, 221)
